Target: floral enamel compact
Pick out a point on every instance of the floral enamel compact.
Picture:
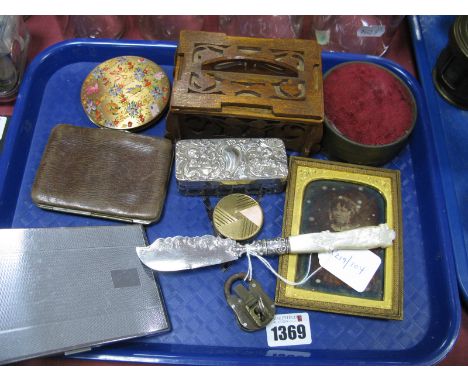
(125, 93)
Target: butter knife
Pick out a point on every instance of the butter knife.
(181, 252)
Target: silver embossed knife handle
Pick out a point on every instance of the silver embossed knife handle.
(380, 236)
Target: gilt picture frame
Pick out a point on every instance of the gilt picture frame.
(325, 195)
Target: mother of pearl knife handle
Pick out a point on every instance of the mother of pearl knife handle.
(380, 236)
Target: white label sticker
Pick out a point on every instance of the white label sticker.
(355, 268)
(371, 31)
(3, 121)
(289, 330)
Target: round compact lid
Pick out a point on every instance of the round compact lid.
(238, 217)
(125, 93)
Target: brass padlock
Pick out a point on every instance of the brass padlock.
(252, 306)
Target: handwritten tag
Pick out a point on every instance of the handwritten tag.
(354, 267)
(371, 31)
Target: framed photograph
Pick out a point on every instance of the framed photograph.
(324, 195)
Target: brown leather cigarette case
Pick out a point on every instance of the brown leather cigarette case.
(104, 173)
(233, 87)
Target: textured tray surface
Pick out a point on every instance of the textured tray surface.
(448, 123)
(204, 330)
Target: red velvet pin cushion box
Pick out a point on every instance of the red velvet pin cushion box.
(369, 113)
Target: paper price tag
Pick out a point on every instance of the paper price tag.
(354, 267)
(371, 31)
(289, 330)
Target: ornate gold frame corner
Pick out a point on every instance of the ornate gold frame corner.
(387, 182)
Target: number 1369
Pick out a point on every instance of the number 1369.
(290, 332)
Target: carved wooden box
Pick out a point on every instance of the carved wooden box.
(247, 87)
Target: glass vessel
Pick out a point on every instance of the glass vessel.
(261, 26)
(169, 27)
(95, 26)
(14, 42)
(355, 34)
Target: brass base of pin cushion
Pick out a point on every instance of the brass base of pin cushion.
(103, 173)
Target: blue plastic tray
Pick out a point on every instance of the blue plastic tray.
(204, 330)
(449, 126)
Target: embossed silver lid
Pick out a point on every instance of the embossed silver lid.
(214, 166)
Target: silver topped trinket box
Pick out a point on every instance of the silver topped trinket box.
(220, 166)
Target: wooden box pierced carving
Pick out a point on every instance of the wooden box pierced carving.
(247, 87)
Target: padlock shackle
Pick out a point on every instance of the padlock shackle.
(231, 280)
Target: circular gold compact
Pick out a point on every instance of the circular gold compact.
(238, 217)
(125, 93)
